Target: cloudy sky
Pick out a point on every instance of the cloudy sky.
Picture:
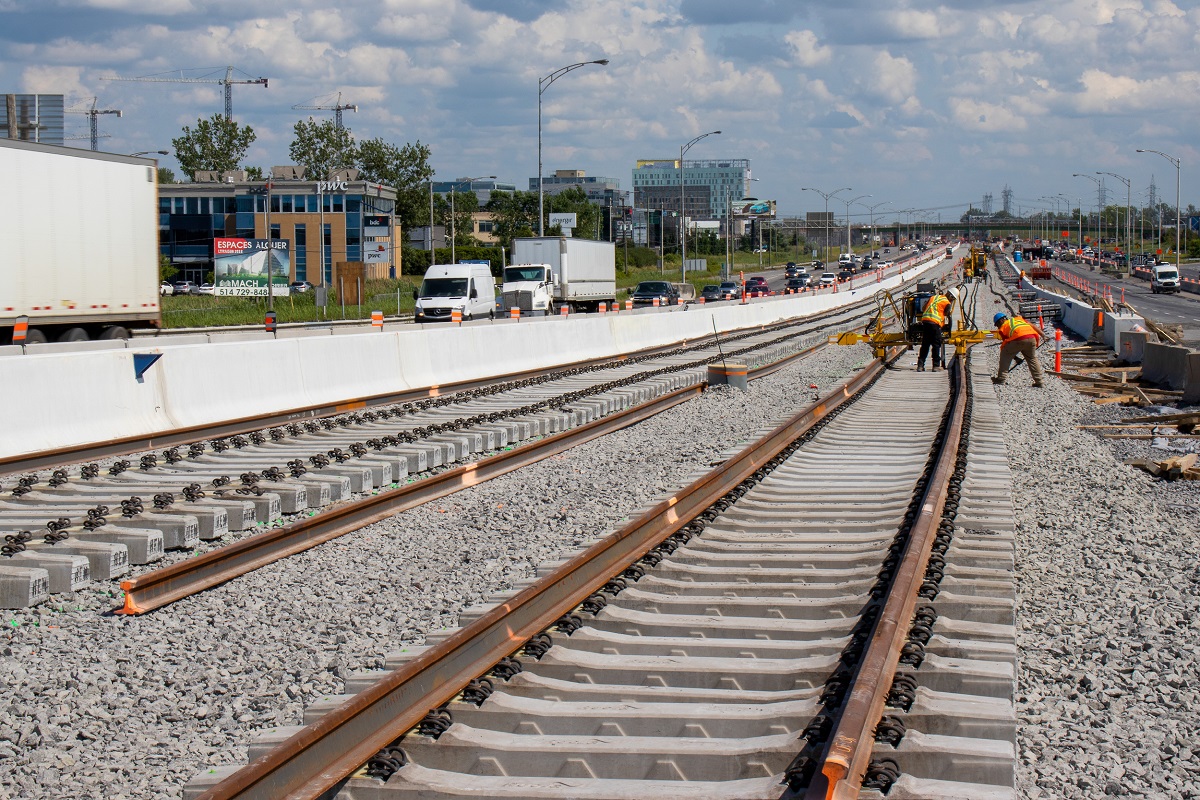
(920, 104)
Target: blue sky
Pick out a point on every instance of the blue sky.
(919, 104)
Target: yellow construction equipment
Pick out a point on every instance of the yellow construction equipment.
(896, 322)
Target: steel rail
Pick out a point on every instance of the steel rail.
(852, 742)
(164, 586)
(319, 757)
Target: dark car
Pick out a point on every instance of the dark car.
(756, 283)
(799, 282)
(730, 290)
(646, 292)
(845, 275)
(711, 293)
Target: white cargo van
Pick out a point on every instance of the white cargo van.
(1164, 279)
(845, 260)
(469, 288)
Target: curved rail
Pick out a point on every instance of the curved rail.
(319, 757)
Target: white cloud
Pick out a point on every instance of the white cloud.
(806, 49)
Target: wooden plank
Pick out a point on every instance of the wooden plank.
(1146, 436)
(1189, 416)
(1122, 398)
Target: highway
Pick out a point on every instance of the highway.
(1168, 309)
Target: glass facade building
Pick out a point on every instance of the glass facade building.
(36, 117)
(709, 185)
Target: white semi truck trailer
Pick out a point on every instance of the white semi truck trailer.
(552, 271)
(78, 243)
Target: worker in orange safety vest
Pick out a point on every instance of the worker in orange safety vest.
(933, 319)
(1019, 338)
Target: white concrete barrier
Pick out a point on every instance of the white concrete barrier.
(61, 399)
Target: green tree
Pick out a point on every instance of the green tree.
(322, 146)
(255, 174)
(465, 203)
(165, 175)
(216, 144)
(516, 215)
(405, 168)
(166, 270)
(587, 213)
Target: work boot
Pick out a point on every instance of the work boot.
(938, 368)
(920, 367)
(1036, 385)
(997, 381)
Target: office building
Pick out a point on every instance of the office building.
(605, 192)
(709, 185)
(227, 205)
(483, 188)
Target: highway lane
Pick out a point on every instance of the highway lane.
(1168, 309)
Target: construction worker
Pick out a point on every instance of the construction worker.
(1019, 338)
(933, 319)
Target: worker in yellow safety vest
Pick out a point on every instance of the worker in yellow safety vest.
(1020, 338)
(932, 319)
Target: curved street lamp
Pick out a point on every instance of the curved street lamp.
(872, 210)
(1176, 162)
(1128, 226)
(826, 195)
(849, 246)
(543, 85)
(1099, 187)
(683, 207)
(148, 152)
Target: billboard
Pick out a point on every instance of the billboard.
(241, 266)
(563, 220)
(751, 207)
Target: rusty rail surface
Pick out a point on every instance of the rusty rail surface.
(163, 586)
(852, 742)
(319, 757)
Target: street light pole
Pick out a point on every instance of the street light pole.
(872, 210)
(1097, 182)
(683, 206)
(1176, 162)
(826, 195)
(453, 186)
(849, 246)
(543, 85)
(1128, 227)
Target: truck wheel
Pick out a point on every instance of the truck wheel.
(35, 336)
(73, 335)
(114, 332)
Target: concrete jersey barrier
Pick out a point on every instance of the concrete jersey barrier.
(69, 399)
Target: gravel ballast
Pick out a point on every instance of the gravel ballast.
(133, 707)
(1108, 581)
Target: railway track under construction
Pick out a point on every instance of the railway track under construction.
(281, 489)
(827, 613)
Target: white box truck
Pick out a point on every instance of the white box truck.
(549, 272)
(79, 239)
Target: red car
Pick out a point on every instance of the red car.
(756, 284)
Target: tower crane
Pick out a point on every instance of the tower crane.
(228, 82)
(337, 108)
(93, 114)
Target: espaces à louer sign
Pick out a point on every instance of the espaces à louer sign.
(241, 266)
